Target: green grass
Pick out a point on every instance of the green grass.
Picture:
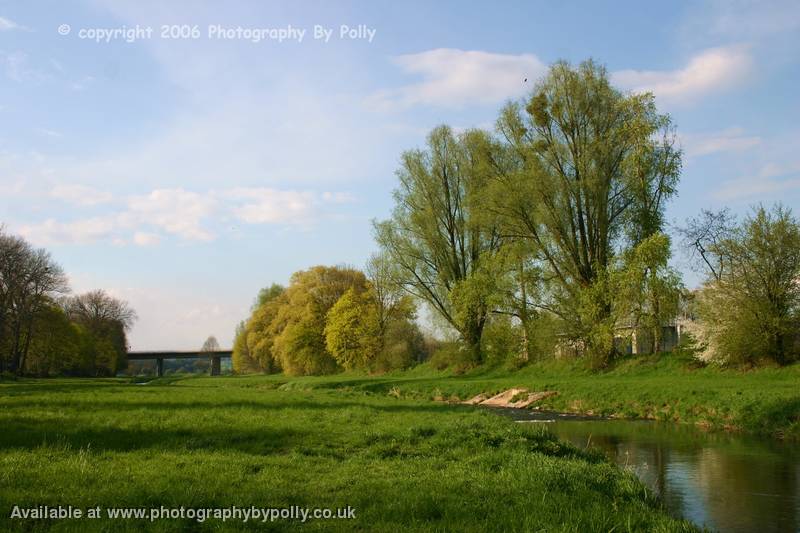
(403, 464)
(667, 388)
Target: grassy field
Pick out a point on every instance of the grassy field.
(403, 464)
(764, 401)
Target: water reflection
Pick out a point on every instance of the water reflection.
(726, 482)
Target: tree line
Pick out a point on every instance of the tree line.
(545, 235)
(46, 331)
(328, 319)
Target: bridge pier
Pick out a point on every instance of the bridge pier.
(215, 358)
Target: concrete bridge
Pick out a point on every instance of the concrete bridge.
(215, 357)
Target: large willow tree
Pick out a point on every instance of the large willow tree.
(435, 238)
(583, 172)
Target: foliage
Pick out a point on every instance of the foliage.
(37, 336)
(435, 238)
(584, 172)
(30, 281)
(106, 320)
(352, 331)
(56, 348)
(648, 291)
(241, 359)
(752, 310)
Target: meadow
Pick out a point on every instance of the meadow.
(670, 387)
(402, 463)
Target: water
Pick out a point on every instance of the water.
(727, 482)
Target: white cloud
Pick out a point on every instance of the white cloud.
(728, 140)
(176, 211)
(710, 71)
(455, 78)
(769, 180)
(143, 238)
(763, 18)
(7, 24)
(187, 215)
(84, 231)
(264, 205)
(338, 197)
(81, 195)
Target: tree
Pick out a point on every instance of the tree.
(266, 294)
(352, 330)
(521, 284)
(391, 302)
(584, 173)
(210, 345)
(55, 348)
(262, 329)
(107, 320)
(241, 359)
(30, 280)
(647, 289)
(751, 308)
(434, 237)
(703, 235)
(299, 323)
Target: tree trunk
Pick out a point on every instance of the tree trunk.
(472, 338)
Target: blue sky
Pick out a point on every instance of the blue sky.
(184, 174)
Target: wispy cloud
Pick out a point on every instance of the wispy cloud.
(771, 179)
(728, 140)
(144, 238)
(456, 78)
(80, 195)
(85, 231)
(710, 71)
(176, 211)
(8, 24)
(144, 219)
(756, 19)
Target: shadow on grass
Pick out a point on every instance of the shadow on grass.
(113, 406)
(259, 441)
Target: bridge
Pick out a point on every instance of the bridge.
(215, 357)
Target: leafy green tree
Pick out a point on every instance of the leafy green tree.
(107, 320)
(267, 294)
(262, 329)
(647, 289)
(241, 360)
(299, 323)
(352, 330)
(55, 347)
(752, 310)
(584, 172)
(435, 238)
(30, 281)
(403, 345)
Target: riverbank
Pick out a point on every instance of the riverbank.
(215, 443)
(667, 388)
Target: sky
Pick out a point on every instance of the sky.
(182, 155)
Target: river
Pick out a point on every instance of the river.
(726, 482)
